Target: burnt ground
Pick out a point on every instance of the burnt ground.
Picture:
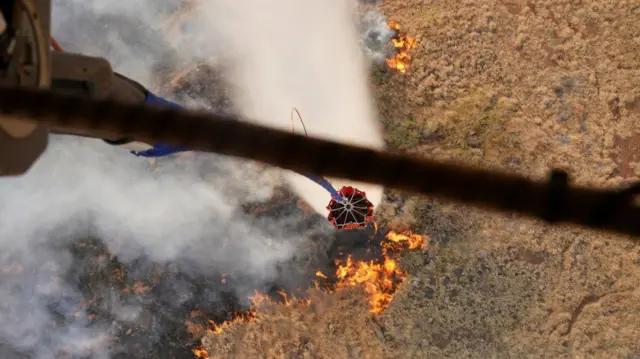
(149, 309)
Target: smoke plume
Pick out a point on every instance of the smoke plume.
(307, 55)
(279, 54)
(82, 189)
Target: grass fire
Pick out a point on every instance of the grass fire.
(105, 258)
(371, 283)
(381, 278)
(402, 44)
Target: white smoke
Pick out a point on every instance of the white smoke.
(376, 35)
(82, 188)
(305, 54)
(288, 53)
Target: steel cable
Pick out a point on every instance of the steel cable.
(553, 201)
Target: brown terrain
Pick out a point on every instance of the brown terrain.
(512, 85)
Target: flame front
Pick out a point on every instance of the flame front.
(379, 278)
(402, 44)
(256, 301)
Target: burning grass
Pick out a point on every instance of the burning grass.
(313, 328)
(380, 279)
(402, 44)
(360, 289)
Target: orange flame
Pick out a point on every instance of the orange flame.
(414, 241)
(321, 275)
(402, 44)
(380, 280)
(201, 353)
(256, 301)
(377, 280)
(393, 25)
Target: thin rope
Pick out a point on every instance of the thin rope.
(293, 126)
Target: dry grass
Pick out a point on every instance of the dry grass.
(544, 63)
(316, 330)
(520, 86)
